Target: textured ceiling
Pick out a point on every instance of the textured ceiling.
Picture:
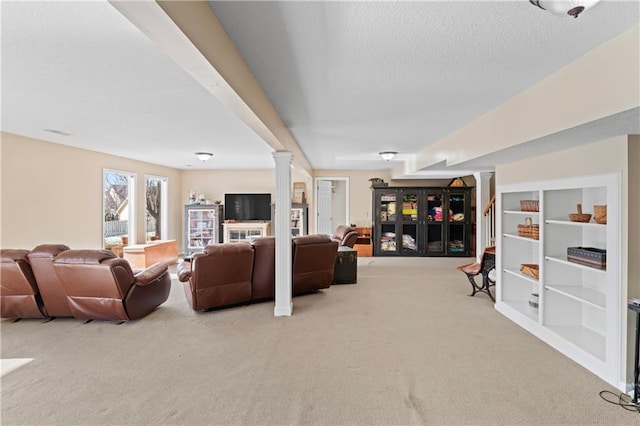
(84, 69)
(349, 79)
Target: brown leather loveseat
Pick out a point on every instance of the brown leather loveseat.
(54, 281)
(100, 285)
(345, 236)
(237, 273)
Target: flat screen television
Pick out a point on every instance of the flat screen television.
(247, 206)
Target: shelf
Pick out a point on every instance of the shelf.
(564, 261)
(518, 274)
(581, 294)
(582, 337)
(520, 212)
(517, 237)
(524, 308)
(592, 225)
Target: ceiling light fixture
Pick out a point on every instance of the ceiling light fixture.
(387, 155)
(564, 7)
(203, 156)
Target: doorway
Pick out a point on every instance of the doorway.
(332, 203)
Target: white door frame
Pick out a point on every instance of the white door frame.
(347, 196)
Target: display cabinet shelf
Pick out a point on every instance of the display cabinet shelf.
(583, 338)
(563, 261)
(577, 224)
(525, 309)
(517, 273)
(202, 226)
(520, 213)
(518, 237)
(591, 297)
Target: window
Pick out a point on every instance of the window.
(118, 226)
(156, 207)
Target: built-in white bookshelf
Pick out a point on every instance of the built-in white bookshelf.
(580, 308)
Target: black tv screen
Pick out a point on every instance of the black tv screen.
(247, 206)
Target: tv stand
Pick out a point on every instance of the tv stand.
(245, 231)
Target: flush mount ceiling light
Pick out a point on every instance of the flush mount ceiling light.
(564, 7)
(203, 156)
(387, 155)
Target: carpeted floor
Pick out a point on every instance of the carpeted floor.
(405, 345)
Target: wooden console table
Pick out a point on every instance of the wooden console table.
(141, 256)
(363, 243)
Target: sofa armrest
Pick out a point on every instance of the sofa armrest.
(151, 274)
(184, 271)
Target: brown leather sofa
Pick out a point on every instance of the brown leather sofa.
(239, 277)
(314, 258)
(219, 276)
(345, 236)
(100, 285)
(53, 296)
(20, 297)
(54, 281)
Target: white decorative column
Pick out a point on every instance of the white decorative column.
(284, 304)
(483, 195)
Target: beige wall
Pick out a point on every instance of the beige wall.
(215, 183)
(52, 193)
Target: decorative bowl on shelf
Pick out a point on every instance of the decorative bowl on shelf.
(579, 217)
(217, 202)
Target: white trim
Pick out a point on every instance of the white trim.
(164, 204)
(132, 202)
(347, 196)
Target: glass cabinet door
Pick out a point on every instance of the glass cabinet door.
(388, 211)
(409, 222)
(457, 221)
(434, 225)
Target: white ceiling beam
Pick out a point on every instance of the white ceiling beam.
(191, 34)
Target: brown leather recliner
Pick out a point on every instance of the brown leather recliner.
(53, 296)
(100, 285)
(345, 236)
(219, 276)
(314, 258)
(20, 297)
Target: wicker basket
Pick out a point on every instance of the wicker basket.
(600, 213)
(529, 230)
(530, 269)
(529, 205)
(579, 217)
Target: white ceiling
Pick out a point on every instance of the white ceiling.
(349, 79)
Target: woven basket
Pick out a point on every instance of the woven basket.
(530, 269)
(600, 213)
(579, 217)
(529, 230)
(529, 205)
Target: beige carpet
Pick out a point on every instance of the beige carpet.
(405, 345)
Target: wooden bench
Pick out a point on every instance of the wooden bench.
(141, 256)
